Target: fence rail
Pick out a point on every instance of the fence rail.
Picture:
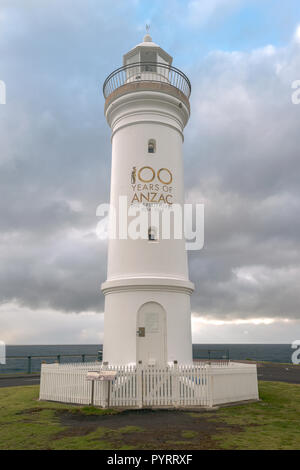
(147, 72)
(152, 386)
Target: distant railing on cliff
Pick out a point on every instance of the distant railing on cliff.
(147, 72)
(32, 363)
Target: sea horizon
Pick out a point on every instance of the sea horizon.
(271, 352)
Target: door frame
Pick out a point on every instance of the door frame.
(163, 313)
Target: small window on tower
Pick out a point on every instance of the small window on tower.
(151, 146)
(152, 235)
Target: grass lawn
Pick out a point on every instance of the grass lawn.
(272, 423)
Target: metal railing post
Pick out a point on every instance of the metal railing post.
(29, 365)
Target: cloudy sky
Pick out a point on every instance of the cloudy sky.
(241, 155)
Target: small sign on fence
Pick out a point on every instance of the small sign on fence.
(104, 375)
(101, 376)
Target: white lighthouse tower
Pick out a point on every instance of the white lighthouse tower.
(147, 292)
(147, 320)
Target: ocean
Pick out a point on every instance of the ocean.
(73, 353)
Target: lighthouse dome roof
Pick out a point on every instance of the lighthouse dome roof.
(155, 54)
(147, 42)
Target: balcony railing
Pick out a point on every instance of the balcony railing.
(147, 72)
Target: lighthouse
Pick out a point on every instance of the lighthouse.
(147, 350)
(147, 317)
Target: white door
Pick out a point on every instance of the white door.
(151, 334)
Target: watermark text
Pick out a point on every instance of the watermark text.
(296, 93)
(296, 354)
(152, 222)
(2, 353)
(2, 92)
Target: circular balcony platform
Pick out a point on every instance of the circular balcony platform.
(143, 76)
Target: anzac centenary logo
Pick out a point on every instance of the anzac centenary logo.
(151, 186)
(150, 212)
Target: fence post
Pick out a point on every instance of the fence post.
(29, 365)
(175, 384)
(105, 386)
(210, 387)
(139, 384)
(92, 392)
(108, 393)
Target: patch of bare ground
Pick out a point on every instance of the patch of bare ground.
(149, 429)
(30, 411)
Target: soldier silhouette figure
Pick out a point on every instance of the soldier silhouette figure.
(133, 175)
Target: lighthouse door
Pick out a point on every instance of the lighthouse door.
(151, 334)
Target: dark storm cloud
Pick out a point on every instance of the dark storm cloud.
(55, 150)
(241, 159)
(243, 144)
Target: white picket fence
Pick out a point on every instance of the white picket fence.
(199, 384)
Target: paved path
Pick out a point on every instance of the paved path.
(266, 371)
(278, 372)
(19, 380)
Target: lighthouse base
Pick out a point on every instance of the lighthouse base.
(147, 321)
